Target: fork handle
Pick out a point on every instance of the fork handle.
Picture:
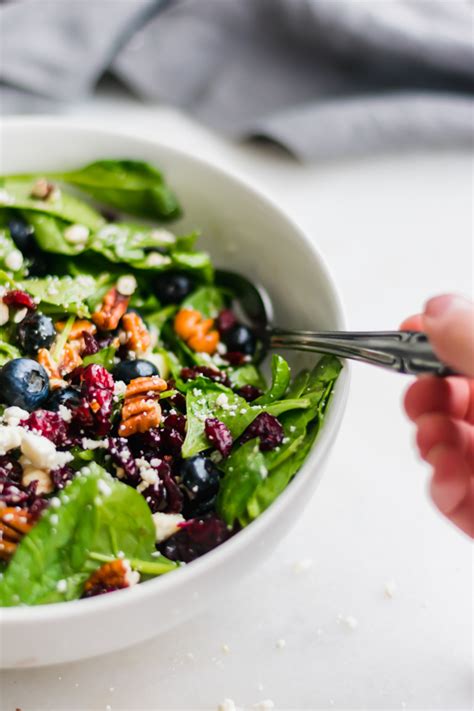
(407, 352)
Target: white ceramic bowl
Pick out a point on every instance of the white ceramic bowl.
(244, 231)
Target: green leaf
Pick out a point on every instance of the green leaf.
(300, 428)
(207, 300)
(49, 233)
(63, 294)
(61, 339)
(7, 246)
(244, 470)
(247, 374)
(104, 357)
(278, 479)
(132, 186)
(280, 381)
(97, 514)
(8, 352)
(16, 192)
(205, 398)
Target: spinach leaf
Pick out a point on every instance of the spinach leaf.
(158, 319)
(207, 300)
(129, 185)
(247, 374)
(104, 357)
(300, 429)
(277, 480)
(150, 249)
(244, 470)
(63, 294)
(299, 384)
(7, 246)
(196, 262)
(126, 242)
(205, 398)
(49, 233)
(8, 352)
(97, 515)
(67, 207)
(280, 381)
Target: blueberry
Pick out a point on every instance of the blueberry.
(22, 234)
(35, 331)
(69, 397)
(200, 478)
(25, 383)
(240, 339)
(127, 370)
(173, 287)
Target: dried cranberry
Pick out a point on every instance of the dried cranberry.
(234, 357)
(213, 374)
(175, 422)
(225, 320)
(96, 376)
(104, 338)
(148, 444)
(61, 476)
(48, 424)
(164, 495)
(173, 492)
(196, 537)
(13, 494)
(178, 401)
(37, 507)
(171, 441)
(10, 470)
(90, 344)
(123, 458)
(156, 496)
(267, 428)
(249, 392)
(219, 435)
(19, 300)
(97, 391)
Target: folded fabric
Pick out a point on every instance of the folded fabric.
(324, 78)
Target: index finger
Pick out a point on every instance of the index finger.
(412, 323)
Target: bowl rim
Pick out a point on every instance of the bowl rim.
(21, 615)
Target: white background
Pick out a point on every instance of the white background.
(394, 230)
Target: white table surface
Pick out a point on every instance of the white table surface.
(394, 230)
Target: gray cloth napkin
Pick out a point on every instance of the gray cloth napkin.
(324, 78)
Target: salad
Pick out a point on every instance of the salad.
(137, 431)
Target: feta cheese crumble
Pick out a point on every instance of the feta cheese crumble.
(14, 260)
(127, 285)
(166, 525)
(76, 234)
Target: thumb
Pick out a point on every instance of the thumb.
(448, 321)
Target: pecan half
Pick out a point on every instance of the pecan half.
(109, 313)
(111, 576)
(70, 358)
(45, 359)
(145, 386)
(14, 524)
(141, 411)
(78, 328)
(138, 338)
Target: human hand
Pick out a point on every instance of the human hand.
(443, 408)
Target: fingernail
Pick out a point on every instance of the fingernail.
(441, 305)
